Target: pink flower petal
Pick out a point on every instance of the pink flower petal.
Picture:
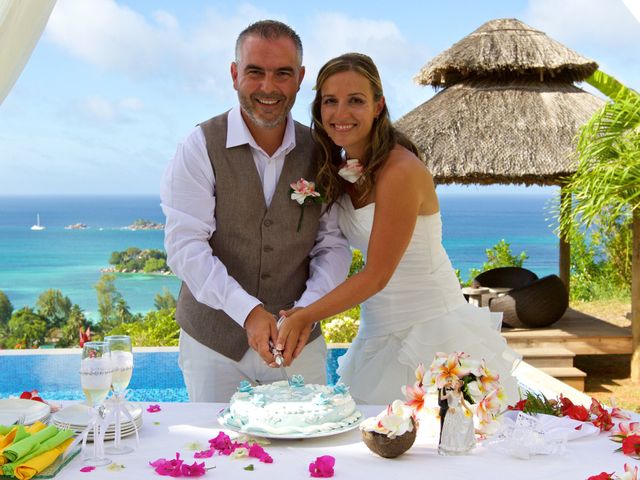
(153, 408)
(204, 453)
(87, 469)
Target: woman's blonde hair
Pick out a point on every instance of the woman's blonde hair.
(384, 136)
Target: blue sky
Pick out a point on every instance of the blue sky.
(113, 86)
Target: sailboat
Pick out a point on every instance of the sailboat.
(37, 226)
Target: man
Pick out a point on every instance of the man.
(231, 233)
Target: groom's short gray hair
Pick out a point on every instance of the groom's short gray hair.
(270, 30)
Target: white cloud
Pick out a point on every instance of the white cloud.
(397, 59)
(110, 36)
(99, 108)
(590, 21)
(133, 104)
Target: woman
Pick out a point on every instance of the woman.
(412, 306)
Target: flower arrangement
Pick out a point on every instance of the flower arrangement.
(304, 192)
(479, 385)
(564, 407)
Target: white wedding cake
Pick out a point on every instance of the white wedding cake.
(283, 408)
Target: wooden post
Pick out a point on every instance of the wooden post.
(635, 296)
(564, 266)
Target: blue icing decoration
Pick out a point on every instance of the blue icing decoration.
(340, 389)
(297, 381)
(245, 387)
(321, 399)
(259, 400)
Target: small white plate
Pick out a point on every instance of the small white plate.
(79, 415)
(32, 410)
(223, 419)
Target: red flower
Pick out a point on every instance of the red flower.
(256, 451)
(85, 336)
(603, 418)
(32, 395)
(631, 446)
(601, 476)
(519, 405)
(577, 412)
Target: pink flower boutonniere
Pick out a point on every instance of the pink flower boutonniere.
(304, 192)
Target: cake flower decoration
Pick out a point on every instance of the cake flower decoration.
(245, 387)
(297, 381)
(304, 192)
(340, 389)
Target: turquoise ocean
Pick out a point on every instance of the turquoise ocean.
(71, 260)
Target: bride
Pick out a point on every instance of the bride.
(412, 305)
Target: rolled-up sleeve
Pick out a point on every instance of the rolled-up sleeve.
(188, 202)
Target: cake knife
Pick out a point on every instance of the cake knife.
(277, 355)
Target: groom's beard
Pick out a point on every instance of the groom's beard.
(256, 112)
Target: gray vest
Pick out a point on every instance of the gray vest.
(258, 245)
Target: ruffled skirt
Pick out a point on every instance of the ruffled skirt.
(375, 368)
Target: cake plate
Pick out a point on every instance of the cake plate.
(224, 419)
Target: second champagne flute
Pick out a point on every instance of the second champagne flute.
(122, 363)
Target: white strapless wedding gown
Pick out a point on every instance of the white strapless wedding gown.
(421, 311)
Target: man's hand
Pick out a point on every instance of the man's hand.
(293, 334)
(261, 327)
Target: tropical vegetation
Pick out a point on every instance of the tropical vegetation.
(135, 260)
(606, 185)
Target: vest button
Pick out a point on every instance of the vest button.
(268, 222)
(268, 248)
(265, 276)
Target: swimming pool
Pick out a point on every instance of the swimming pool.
(54, 373)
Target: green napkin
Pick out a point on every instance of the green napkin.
(25, 446)
(50, 443)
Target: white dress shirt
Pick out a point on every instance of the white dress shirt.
(188, 201)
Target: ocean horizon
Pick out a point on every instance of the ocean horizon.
(71, 260)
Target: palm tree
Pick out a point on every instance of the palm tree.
(608, 179)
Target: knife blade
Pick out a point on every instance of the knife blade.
(277, 355)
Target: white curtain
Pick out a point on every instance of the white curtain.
(21, 25)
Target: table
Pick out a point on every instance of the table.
(180, 424)
(475, 295)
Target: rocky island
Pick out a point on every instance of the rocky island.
(76, 226)
(141, 224)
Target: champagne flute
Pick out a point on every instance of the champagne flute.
(95, 378)
(122, 364)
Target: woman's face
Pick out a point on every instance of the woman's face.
(348, 110)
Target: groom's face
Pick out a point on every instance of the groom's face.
(267, 76)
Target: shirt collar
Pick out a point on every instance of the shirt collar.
(238, 133)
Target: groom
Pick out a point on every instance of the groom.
(231, 231)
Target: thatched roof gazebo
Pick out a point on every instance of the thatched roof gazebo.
(508, 111)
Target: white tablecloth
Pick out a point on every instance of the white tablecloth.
(178, 425)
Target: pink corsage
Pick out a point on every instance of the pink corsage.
(304, 192)
(351, 170)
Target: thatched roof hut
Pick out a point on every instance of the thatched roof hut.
(508, 112)
(506, 49)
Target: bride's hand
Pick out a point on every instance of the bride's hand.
(292, 335)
